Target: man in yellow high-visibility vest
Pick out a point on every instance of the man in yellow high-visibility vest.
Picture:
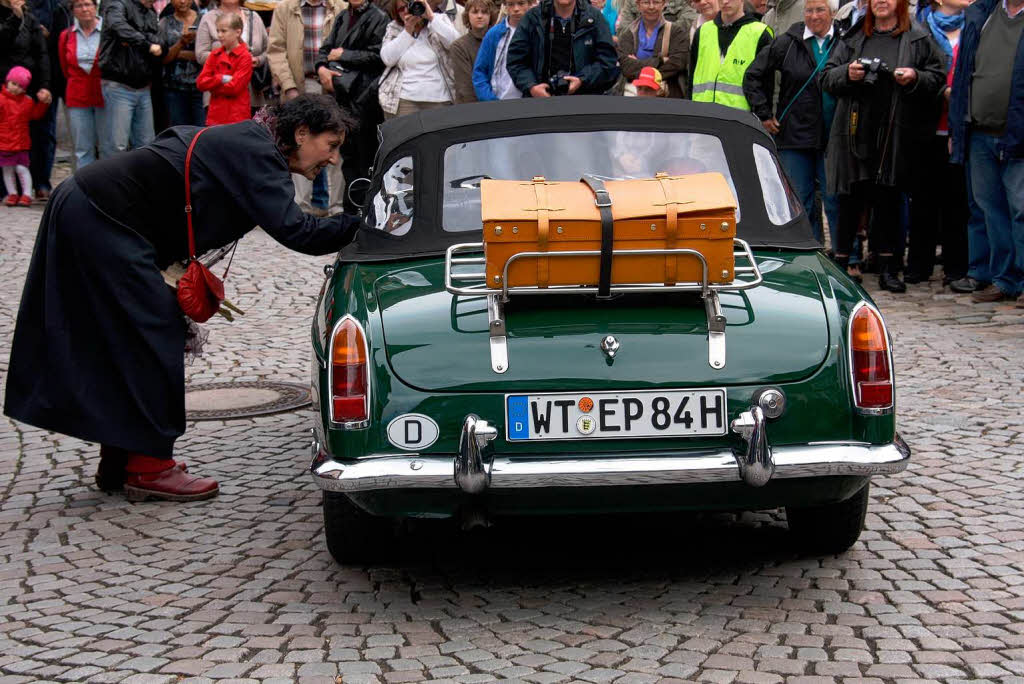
(720, 53)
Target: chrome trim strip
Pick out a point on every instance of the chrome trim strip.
(435, 472)
(505, 289)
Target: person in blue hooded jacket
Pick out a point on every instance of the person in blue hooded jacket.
(491, 80)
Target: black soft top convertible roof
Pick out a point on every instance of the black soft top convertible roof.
(427, 134)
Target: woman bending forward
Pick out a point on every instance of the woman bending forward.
(98, 346)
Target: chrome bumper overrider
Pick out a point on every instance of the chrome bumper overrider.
(404, 471)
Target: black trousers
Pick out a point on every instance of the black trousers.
(44, 148)
(357, 154)
(938, 213)
(884, 204)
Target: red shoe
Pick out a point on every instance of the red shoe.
(11, 201)
(147, 477)
(111, 470)
(25, 201)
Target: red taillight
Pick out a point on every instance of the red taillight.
(872, 373)
(349, 384)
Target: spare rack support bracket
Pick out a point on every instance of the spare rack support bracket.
(496, 330)
(716, 330)
(496, 299)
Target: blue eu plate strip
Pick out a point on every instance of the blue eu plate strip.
(518, 417)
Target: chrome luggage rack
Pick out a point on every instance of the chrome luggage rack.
(464, 275)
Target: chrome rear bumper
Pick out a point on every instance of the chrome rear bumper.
(438, 472)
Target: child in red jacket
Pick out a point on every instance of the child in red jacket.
(16, 110)
(226, 74)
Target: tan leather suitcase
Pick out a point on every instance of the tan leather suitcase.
(696, 211)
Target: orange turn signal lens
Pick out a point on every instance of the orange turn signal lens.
(867, 332)
(348, 347)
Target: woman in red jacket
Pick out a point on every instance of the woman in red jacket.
(226, 74)
(78, 47)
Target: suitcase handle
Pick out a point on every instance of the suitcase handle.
(603, 200)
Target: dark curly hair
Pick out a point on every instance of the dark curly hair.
(319, 113)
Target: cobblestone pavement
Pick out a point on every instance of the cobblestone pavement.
(93, 588)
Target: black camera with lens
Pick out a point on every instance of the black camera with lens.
(417, 8)
(559, 84)
(873, 68)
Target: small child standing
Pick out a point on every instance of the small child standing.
(16, 110)
(226, 74)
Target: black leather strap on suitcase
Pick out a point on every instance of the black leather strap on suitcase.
(604, 204)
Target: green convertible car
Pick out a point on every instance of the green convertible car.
(440, 397)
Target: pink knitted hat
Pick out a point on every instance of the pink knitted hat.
(19, 75)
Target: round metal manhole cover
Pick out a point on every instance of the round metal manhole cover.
(226, 400)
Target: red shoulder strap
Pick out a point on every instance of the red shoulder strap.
(188, 194)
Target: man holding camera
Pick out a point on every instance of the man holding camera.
(563, 47)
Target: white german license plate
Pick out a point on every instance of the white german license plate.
(615, 415)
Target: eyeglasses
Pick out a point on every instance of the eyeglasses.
(650, 3)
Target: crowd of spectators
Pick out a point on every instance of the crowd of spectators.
(897, 121)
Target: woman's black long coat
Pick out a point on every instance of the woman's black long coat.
(911, 118)
(361, 41)
(98, 346)
(22, 44)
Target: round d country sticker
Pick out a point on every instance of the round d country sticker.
(586, 425)
(412, 431)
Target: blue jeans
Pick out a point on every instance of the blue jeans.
(321, 195)
(129, 115)
(185, 107)
(89, 130)
(978, 253)
(998, 186)
(806, 168)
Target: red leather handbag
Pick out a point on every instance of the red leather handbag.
(200, 292)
